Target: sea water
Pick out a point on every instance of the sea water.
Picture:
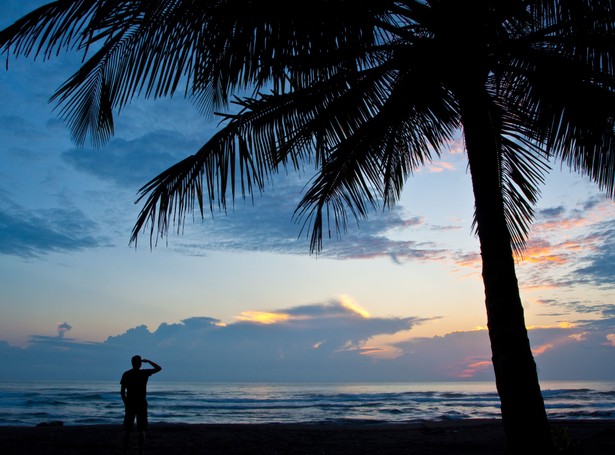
(84, 403)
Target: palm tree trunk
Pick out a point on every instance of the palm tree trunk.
(522, 406)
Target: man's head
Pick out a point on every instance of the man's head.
(136, 361)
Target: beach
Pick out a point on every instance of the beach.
(472, 436)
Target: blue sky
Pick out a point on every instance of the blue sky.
(237, 296)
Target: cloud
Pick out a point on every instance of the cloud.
(564, 306)
(263, 223)
(30, 233)
(330, 341)
(583, 352)
(551, 212)
(572, 247)
(573, 353)
(440, 166)
(133, 162)
(600, 268)
(313, 342)
(20, 129)
(266, 224)
(62, 328)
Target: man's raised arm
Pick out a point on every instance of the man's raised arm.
(157, 367)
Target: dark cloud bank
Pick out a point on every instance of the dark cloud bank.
(321, 342)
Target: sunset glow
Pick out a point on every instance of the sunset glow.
(350, 304)
(263, 317)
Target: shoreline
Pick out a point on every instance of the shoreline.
(474, 436)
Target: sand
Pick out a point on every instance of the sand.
(595, 437)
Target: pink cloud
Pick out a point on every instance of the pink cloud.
(440, 166)
(472, 369)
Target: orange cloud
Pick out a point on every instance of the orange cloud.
(542, 349)
(563, 225)
(542, 252)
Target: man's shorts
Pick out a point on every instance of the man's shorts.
(138, 411)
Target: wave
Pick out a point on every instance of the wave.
(31, 403)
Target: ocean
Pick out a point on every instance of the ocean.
(87, 403)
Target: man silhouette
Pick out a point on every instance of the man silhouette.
(134, 391)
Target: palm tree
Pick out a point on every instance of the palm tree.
(367, 91)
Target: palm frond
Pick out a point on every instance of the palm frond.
(523, 168)
(570, 109)
(370, 166)
(205, 177)
(571, 80)
(49, 29)
(269, 131)
(150, 47)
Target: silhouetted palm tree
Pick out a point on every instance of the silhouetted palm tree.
(367, 90)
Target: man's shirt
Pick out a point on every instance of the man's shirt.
(135, 382)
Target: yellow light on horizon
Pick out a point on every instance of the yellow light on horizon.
(559, 325)
(349, 304)
(263, 317)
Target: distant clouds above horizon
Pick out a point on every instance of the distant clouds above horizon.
(333, 341)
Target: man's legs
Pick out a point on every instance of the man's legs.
(129, 419)
(141, 427)
(141, 441)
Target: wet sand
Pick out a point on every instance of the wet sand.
(595, 437)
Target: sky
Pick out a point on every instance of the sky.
(238, 296)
